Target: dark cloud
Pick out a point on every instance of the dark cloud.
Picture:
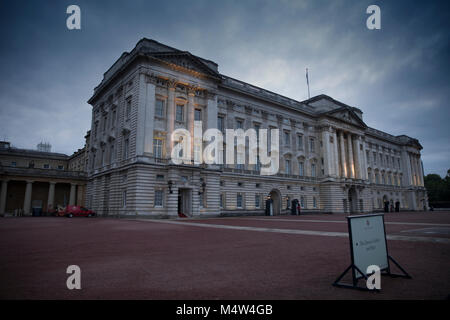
(398, 76)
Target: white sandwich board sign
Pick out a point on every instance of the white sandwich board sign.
(368, 247)
(368, 241)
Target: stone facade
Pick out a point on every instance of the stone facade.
(330, 160)
(32, 179)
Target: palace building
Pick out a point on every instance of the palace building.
(39, 181)
(330, 160)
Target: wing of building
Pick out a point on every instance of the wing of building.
(330, 160)
(40, 181)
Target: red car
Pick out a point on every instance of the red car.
(76, 211)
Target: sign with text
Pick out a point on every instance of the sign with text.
(368, 242)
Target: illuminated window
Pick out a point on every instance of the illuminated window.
(198, 115)
(159, 108)
(159, 198)
(239, 200)
(180, 113)
(158, 148)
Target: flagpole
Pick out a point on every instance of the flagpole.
(307, 82)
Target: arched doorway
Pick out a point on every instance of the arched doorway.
(276, 201)
(353, 200)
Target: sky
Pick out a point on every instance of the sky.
(397, 75)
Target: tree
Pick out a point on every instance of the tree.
(438, 189)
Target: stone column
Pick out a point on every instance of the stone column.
(149, 118)
(51, 196)
(336, 154)
(3, 196)
(419, 171)
(27, 200)
(364, 161)
(170, 117)
(190, 115)
(351, 165)
(422, 183)
(357, 163)
(343, 162)
(413, 170)
(80, 191)
(408, 176)
(72, 194)
(326, 152)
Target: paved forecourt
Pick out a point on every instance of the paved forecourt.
(284, 257)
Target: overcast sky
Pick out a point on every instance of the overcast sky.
(398, 76)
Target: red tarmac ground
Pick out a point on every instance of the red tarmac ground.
(270, 258)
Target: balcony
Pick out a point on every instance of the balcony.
(38, 172)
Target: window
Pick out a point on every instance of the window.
(311, 145)
(103, 157)
(368, 156)
(301, 171)
(46, 166)
(105, 122)
(300, 142)
(257, 127)
(125, 148)
(313, 169)
(239, 124)
(95, 128)
(113, 119)
(201, 199)
(157, 148)
(60, 167)
(124, 198)
(13, 164)
(111, 154)
(287, 138)
(258, 164)
(128, 109)
(314, 202)
(180, 113)
(158, 198)
(257, 201)
(160, 177)
(159, 108)
(220, 123)
(239, 200)
(374, 157)
(93, 161)
(198, 115)
(222, 198)
(287, 168)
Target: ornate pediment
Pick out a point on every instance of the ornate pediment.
(327, 106)
(346, 114)
(184, 61)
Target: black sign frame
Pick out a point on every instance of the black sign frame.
(354, 268)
